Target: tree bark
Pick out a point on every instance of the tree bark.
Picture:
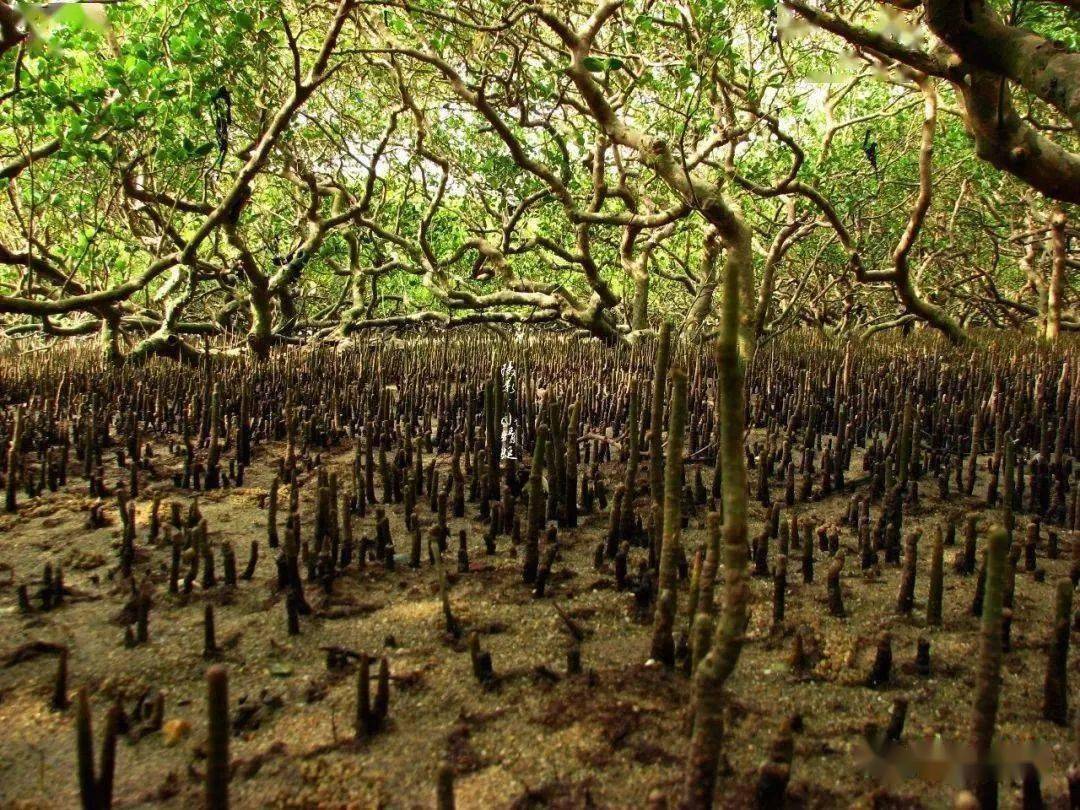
(1055, 290)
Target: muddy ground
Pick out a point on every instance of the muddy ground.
(614, 736)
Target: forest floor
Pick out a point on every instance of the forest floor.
(613, 736)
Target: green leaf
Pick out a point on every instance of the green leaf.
(594, 64)
(72, 14)
(114, 73)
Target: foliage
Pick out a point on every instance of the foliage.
(443, 166)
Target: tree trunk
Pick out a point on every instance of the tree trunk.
(713, 671)
(701, 307)
(639, 317)
(1055, 290)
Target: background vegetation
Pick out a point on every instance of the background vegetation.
(248, 173)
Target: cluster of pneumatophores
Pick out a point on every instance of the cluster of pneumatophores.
(541, 572)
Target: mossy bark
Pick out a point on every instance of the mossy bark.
(713, 671)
